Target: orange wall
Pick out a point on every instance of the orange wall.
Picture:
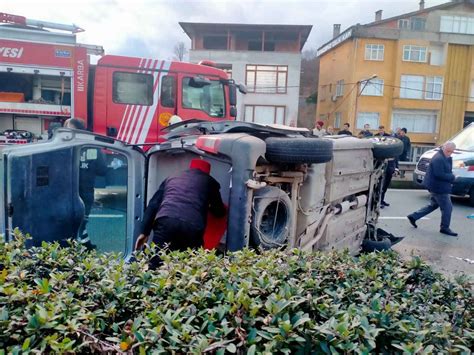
(348, 62)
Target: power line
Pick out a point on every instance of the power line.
(408, 88)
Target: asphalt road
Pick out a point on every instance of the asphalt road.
(445, 254)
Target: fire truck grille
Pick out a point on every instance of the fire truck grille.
(423, 164)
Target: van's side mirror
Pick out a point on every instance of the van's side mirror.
(232, 95)
(199, 82)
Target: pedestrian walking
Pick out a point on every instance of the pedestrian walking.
(438, 180)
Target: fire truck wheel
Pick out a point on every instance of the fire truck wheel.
(386, 147)
(272, 218)
(298, 150)
(370, 246)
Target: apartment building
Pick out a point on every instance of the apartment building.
(266, 58)
(415, 70)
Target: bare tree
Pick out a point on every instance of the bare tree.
(179, 51)
(308, 88)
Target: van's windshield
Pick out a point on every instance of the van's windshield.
(465, 139)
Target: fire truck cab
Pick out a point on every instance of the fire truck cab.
(47, 77)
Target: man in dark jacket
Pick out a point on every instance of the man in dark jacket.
(406, 144)
(177, 212)
(438, 180)
(345, 129)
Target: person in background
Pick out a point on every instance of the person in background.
(318, 130)
(330, 131)
(406, 145)
(438, 180)
(396, 134)
(381, 132)
(92, 164)
(345, 129)
(177, 212)
(365, 132)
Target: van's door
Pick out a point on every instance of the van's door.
(78, 185)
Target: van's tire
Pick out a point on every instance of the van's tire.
(386, 147)
(298, 150)
(370, 246)
(272, 218)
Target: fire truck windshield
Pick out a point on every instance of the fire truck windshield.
(208, 98)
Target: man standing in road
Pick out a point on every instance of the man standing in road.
(177, 212)
(438, 180)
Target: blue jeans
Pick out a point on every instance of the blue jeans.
(443, 201)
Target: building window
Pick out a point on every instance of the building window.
(215, 42)
(374, 51)
(371, 118)
(265, 114)
(414, 54)
(268, 79)
(434, 88)
(436, 55)
(337, 120)
(418, 24)
(403, 24)
(340, 88)
(132, 88)
(416, 121)
(373, 87)
(411, 87)
(457, 24)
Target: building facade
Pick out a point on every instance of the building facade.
(414, 71)
(266, 58)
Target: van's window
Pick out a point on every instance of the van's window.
(209, 98)
(103, 191)
(168, 91)
(465, 139)
(132, 88)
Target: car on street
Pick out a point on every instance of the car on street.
(463, 164)
(283, 187)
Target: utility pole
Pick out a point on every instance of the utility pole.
(359, 92)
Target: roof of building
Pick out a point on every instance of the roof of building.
(347, 33)
(192, 28)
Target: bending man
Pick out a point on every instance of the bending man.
(177, 212)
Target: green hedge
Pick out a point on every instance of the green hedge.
(55, 299)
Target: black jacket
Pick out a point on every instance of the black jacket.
(187, 197)
(439, 177)
(406, 147)
(345, 131)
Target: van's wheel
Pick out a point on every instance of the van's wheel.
(298, 150)
(370, 246)
(386, 147)
(272, 218)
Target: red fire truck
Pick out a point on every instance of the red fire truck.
(46, 77)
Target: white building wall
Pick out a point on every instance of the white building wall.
(239, 60)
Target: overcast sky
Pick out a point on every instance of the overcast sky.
(150, 28)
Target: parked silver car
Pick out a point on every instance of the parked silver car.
(283, 186)
(463, 164)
